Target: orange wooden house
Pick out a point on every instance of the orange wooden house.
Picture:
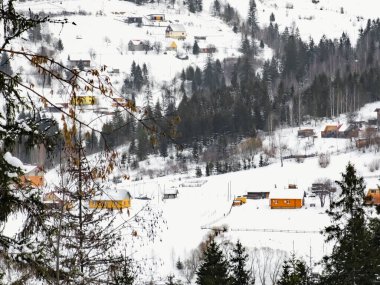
(33, 176)
(330, 131)
(372, 197)
(286, 198)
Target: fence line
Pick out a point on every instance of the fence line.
(266, 230)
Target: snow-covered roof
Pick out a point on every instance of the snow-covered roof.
(286, 194)
(171, 190)
(27, 168)
(136, 42)
(177, 27)
(112, 195)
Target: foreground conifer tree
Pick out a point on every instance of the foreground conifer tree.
(349, 262)
(214, 269)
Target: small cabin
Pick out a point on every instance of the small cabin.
(286, 198)
(206, 48)
(86, 100)
(176, 31)
(156, 17)
(362, 143)
(136, 45)
(243, 199)
(372, 197)
(331, 131)
(54, 200)
(111, 199)
(33, 176)
(258, 195)
(348, 131)
(120, 102)
(170, 193)
(133, 20)
(304, 133)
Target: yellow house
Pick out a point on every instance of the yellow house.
(176, 31)
(86, 100)
(111, 199)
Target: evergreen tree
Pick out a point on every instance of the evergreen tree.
(123, 274)
(272, 18)
(199, 5)
(294, 272)
(214, 267)
(142, 143)
(240, 274)
(350, 233)
(59, 45)
(252, 18)
(216, 8)
(195, 48)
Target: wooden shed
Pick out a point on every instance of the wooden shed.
(258, 195)
(304, 133)
(170, 193)
(286, 199)
(111, 199)
(372, 197)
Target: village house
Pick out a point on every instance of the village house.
(348, 131)
(330, 131)
(304, 133)
(205, 47)
(83, 100)
(372, 197)
(156, 17)
(170, 193)
(54, 200)
(33, 176)
(286, 198)
(120, 102)
(80, 62)
(176, 31)
(136, 45)
(111, 199)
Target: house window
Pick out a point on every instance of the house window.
(373, 191)
(275, 202)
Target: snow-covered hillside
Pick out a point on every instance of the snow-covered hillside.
(327, 17)
(188, 218)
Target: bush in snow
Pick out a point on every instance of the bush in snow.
(374, 165)
(324, 160)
